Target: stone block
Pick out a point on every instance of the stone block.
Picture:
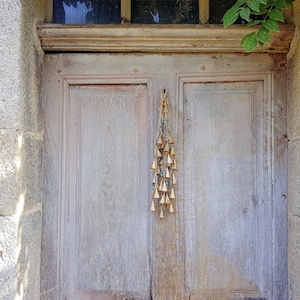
(29, 252)
(30, 174)
(294, 177)
(20, 240)
(8, 257)
(20, 170)
(20, 66)
(9, 165)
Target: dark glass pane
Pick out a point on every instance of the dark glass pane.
(218, 9)
(87, 11)
(164, 11)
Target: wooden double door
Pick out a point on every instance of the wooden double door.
(228, 236)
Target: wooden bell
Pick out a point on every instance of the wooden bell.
(152, 207)
(171, 209)
(174, 164)
(158, 154)
(164, 187)
(162, 200)
(167, 148)
(170, 140)
(169, 160)
(154, 165)
(167, 175)
(154, 179)
(172, 151)
(172, 194)
(174, 180)
(155, 193)
(161, 214)
(160, 185)
(159, 142)
(167, 199)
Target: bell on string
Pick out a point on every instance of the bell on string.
(169, 160)
(155, 193)
(171, 209)
(174, 164)
(174, 180)
(152, 207)
(162, 200)
(154, 178)
(172, 194)
(159, 142)
(154, 165)
(172, 151)
(167, 148)
(158, 154)
(164, 187)
(167, 175)
(167, 199)
(171, 140)
(160, 185)
(161, 214)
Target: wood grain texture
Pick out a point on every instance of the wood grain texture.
(156, 38)
(107, 133)
(221, 148)
(227, 238)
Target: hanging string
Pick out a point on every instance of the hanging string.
(164, 163)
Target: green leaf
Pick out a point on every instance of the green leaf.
(245, 13)
(230, 16)
(263, 2)
(262, 11)
(255, 22)
(249, 42)
(276, 15)
(239, 3)
(280, 4)
(263, 35)
(254, 5)
(271, 25)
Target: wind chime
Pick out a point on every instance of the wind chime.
(164, 162)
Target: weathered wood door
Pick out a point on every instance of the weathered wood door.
(227, 238)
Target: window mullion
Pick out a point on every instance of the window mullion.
(126, 11)
(48, 13)
(203, 11)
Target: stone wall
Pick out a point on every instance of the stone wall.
(21, 128)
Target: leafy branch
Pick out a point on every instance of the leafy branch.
(265, 13)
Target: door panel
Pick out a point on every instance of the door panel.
(106, 137)
(226, 184)
(100, 241)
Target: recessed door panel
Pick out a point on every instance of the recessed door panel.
(106, 135)
(226, 187)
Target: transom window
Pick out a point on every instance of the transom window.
(139, 11)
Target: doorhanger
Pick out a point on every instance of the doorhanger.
(164, 163)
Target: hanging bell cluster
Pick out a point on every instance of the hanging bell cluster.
(164, 163)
